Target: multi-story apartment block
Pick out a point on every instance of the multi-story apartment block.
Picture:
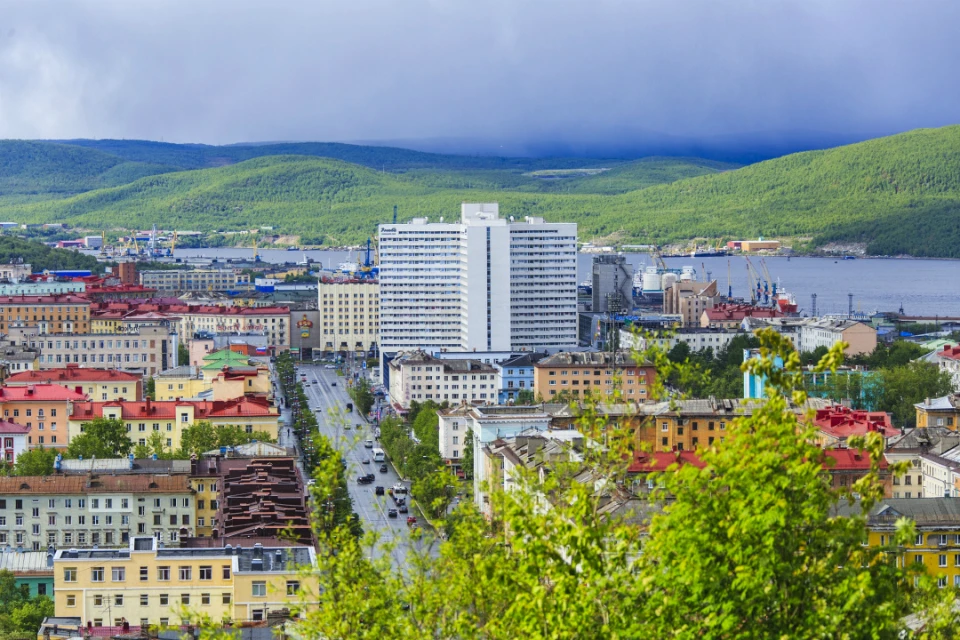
(196, 280)
(107, 510)
(419, 376)
(15, 271)
(41, 287)
(350, 315)
(483, 284)
(44, 409)
(598, 373)
(515, 375)
(473, 427)
(939, 412)
(170, 418)
(45, 314)
(13, 437)
(97, 384)
(860, 337)
(273, 322)
(223, 382)
(147, 584)
(17, 357)
(145, 351)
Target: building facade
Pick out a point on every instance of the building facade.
(350, 316)
(597, 373)
(939, 412)
(39, 511)
(515, 375)
(147, 584)
(612, 284)
(65, 313)
(860, 337)
(421, 377)
(44, 409)
(482, 284)
(146, 351)
(196, 280)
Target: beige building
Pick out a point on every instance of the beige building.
(147, 584)
(580, 374)
(689, 299)
(195, 280)
(272, 322)
(146, 350)
(349, 315)
(860, 337)
(419, 376)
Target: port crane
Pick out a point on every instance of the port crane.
(729, 282)
(771, 284)
(756, 284)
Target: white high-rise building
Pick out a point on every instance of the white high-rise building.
(482, 284)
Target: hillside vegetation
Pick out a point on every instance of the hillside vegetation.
(41, 257)
(899, 194)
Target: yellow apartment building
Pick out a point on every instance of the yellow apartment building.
(147, 584)
(581, 374)
(939, 412)
(97, 384)
(349, 315)
(170, 418)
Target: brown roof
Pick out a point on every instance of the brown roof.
(85, 484)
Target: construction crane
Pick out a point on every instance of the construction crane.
(173, 242)
(103, 243)
(756, 283)
(367, 270)
(771, 285)
(256, 256)
(658, 258)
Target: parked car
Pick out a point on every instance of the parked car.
(383, 468)
(391, 513)
(378, 491)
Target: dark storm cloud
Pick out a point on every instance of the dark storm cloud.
(555, 72)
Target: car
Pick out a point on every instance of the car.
(329, 366)
(368, 444)
(399, 488)
(378, 490)
(358, 426)
(370, 477)
(346, 426)
(364, 480)
(391, 513)
(411, 521)
(333, 384)
(403, 508)
(366, 461)
(383, 468)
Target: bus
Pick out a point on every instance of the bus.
(378, 455)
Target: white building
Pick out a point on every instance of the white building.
(419, 376)
(14, 439)
(483, 284)
(826, 332)
(697, 339)
(940, 472)
(466, 426)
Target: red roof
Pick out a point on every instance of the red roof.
(71, 373)
(949, 352)
(40, 393)
(167, 409)
(644, 462)
(842, 422)
(175, 309)
(850, 460)
(12, 428)
(740, 311)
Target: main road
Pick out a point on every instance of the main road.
(328, 398)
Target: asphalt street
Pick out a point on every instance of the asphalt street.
(327, 394)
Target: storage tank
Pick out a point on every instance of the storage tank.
(687, 273)
(651, 279)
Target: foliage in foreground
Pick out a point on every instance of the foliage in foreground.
(750, 546)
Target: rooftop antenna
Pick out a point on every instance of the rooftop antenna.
(394, 214)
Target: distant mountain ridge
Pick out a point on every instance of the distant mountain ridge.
(898, 195)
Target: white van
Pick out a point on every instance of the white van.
(378, 455)
(368, 444)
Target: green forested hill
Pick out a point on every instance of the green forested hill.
(44, 168)
(899, 194)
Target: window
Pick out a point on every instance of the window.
(144, 574)
(164, 599)
(185, 572)
(71, 601)
(226, 572)
(941, 581)
(119, 574)
(144, 600)
(942, 560)
(118, 599)
(293, 587)
(163, 573)
(98, 600)
(206, 573)
(96, 574)
(919, 541)
(204, 598)
(184, 598)
(70, 575)
(226, 598)
(259, 589)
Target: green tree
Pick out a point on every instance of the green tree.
(466, 460)
(435, 491)
(900, 388)
(197, 438)
(183, 354)
(361, 394)
(101, 437)
(35, 462)
(150, 390)
(525, 397)
(427, 427)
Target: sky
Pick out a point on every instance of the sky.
(516, 76)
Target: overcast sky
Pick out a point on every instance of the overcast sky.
(510, 71)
